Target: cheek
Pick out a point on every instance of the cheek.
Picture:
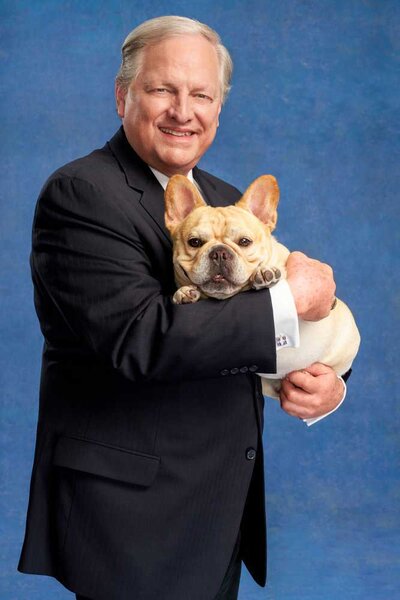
(181, 255)
(142, 114)
(193, 263)
(260, 251)
(209, 121)
(156, 110)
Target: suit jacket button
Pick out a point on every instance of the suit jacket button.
(225, 372)
(234, 370)
(253, 368)
(243, 369)
(250, 454)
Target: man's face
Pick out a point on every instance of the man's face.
(170, 111)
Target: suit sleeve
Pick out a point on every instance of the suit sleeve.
(95, 291)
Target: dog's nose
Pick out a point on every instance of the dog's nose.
(220, 254)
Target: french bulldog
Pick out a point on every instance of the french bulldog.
(218, 252)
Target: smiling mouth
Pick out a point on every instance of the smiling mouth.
(176, 132)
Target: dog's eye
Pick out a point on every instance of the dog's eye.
(195, 242)
(245, 242)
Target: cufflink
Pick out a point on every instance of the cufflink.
(281, 340)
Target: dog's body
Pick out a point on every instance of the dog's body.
(221, 251)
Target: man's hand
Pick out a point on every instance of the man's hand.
(312, 285)
(312, 392)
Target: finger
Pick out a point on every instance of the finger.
(296, 395)
(293, 409)
(291, 390)
(303, 380)
(301, 404)
(317, 369)
(289, 407)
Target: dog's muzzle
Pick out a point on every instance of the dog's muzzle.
(220, 255)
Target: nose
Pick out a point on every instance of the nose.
(181, 109)
(220, 254)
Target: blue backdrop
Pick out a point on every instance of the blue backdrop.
(314, 103)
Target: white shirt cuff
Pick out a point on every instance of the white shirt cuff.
(316, 419)
(286, 321)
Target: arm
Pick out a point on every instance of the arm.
(94, 282)
(315, 392)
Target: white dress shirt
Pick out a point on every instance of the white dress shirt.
(285, 317)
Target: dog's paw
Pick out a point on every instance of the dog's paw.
(265, 276)
(187, 294)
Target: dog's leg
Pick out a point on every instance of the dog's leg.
(265, 276)
(271, 387)
(187, 294)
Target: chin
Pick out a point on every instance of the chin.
(177, 162)
(220, 292)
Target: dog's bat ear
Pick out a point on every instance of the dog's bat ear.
(181, 198)
(261, 198)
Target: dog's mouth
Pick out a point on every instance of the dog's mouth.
(219, 286)
(219, 278)
(218, 283)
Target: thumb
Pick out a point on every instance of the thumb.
(318, 369)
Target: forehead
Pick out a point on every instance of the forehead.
(181, 57)
(229, 219)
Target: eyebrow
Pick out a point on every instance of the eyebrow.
(207, 88)
(152, 82)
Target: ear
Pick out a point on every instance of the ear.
(261, 198)
(120, 100)
(181, 198)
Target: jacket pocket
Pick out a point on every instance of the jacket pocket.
(106, 461)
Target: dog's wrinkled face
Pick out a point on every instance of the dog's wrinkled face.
(217, 249)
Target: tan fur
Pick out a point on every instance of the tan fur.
(222, 266)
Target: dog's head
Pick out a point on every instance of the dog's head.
(217, 249)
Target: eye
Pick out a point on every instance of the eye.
(195, 242)
(161, 91)
(245, 242)
(202, 97)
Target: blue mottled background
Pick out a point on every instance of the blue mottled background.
(314, 102)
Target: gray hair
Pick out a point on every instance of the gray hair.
(153, 31)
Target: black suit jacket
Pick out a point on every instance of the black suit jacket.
(142, 472)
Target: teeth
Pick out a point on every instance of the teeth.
(177, 133)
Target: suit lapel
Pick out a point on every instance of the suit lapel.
(152, 201)
(210, 191)
(140, 178)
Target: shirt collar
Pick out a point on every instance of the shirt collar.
(163, 179)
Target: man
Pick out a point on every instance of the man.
(148, 472)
